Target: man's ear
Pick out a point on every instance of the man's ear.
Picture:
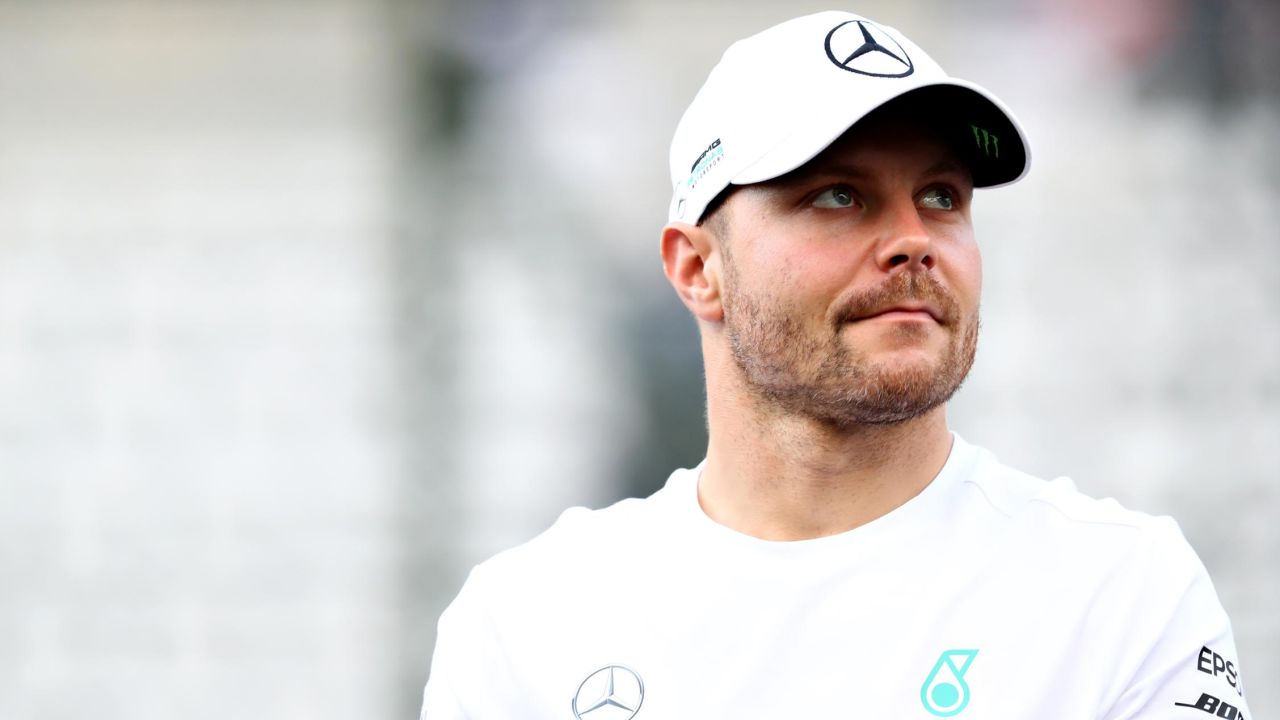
(691, 260)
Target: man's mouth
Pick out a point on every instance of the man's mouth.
(916, 311)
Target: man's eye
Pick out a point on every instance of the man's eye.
(938, 199)
(834, 198)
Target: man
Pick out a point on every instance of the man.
(840, 552)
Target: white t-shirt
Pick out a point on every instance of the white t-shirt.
(991, 595)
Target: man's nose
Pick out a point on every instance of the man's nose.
(904, 240)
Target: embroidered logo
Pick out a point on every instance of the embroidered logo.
(707, 160)
(988, 143)
(862, 47)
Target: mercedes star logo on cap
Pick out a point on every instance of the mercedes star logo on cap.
(865, 48)
(613, 692)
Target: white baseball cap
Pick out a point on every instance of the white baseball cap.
(778, 98)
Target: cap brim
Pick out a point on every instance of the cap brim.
(987, 135)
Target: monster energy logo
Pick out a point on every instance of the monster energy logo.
(989, 144)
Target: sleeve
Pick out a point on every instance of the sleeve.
(1189, 668)
(468, 666)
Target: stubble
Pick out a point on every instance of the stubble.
(812, 371)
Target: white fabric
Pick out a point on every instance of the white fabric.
(1077, 608)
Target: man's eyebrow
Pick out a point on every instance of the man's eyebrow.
(838, 169)
(826, 169)
(818, 171)
(949, 166)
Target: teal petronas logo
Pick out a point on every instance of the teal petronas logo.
(945, 692)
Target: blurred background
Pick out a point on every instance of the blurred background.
(307, 306)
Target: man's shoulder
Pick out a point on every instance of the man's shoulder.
(1057, 511)
(582, 536)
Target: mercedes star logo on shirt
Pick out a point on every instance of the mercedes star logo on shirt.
(865, 48)
(613, 692)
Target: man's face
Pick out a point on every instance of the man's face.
(851, 285)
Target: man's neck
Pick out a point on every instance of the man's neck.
(776, 476)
